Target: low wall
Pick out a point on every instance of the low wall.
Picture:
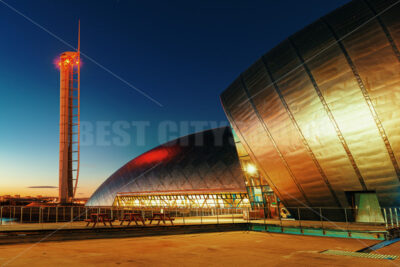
(29, 236)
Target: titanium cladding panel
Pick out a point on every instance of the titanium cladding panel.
(320, 113)
(202, 161)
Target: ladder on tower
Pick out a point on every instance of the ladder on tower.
(75, 123)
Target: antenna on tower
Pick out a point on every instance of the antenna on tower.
(79, 37)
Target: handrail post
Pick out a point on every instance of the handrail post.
(56, 214)
(397, 217)
(1, 215)
(391, 217)
(322, 223)
(347, 222)
(264, 216)
(216, 210)
(248, 215)
(298, 214)
(22, 213)
(72, 214)
(369, 217)
(280, 218)
(385, 215)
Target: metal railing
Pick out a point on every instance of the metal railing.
(21, 215)
(390, 217)
(285, 217)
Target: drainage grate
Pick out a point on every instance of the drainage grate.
(360, 254)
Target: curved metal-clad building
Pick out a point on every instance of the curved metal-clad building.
(319, 113)
(205, 161)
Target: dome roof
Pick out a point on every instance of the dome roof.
(202, 161)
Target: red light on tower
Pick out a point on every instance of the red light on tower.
(69, 124)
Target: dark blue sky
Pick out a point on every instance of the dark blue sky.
(181, 53)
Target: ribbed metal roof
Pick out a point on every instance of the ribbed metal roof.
(319, 113)
(204, 161)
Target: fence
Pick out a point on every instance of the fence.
(290, 216)
(21, 214)
(390, 217)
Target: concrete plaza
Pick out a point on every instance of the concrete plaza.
(240, 248)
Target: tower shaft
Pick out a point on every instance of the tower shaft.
(66, 120)
(69, 158)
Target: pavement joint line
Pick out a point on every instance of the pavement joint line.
(359, 254)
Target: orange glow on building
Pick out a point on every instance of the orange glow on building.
(157, 155)
(153, 156)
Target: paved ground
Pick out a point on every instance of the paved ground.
(215, 249)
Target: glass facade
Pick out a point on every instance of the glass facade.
(261, 196)
(318, 115)
(186, 199)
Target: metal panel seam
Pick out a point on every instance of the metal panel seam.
(306, 145)
(331, 117)
(367, 100)
(385, 30)
(273, 141)
(230, 118)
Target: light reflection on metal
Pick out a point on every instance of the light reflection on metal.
(69, 161)
(333, 120)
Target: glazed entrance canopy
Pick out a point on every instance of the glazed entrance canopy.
(319, 114)
(204, 161)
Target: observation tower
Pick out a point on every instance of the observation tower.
(69, 124)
